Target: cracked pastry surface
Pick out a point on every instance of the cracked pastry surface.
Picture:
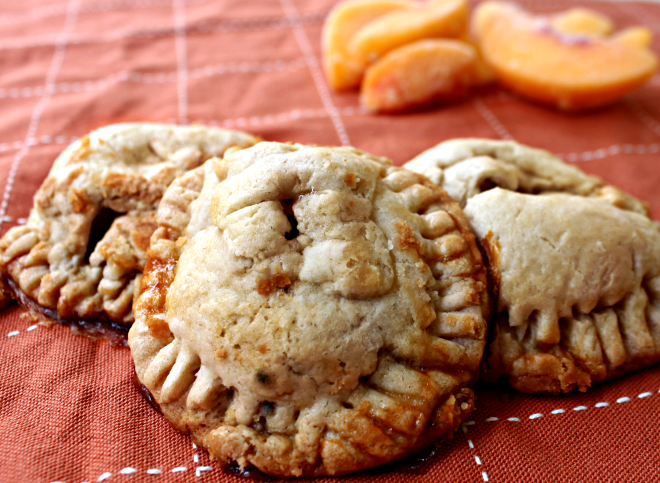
(81, 253)
(310, 311)
(575, 264)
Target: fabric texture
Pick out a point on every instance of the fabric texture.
(69, 410)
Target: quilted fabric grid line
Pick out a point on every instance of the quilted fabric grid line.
(637, 13)
(477, 459)
(239, 122)
(537, 415)
(156, 77)
(45, 139)
(35, 117)
(632, 105)
(96, 7)
(295, 114)
(315, 70)
(234, 25)
(127, 470)
(491, 119)
(639, 112)
(613, 150)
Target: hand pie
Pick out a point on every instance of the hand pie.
(575, 264)
(81, 253)
(310, 310)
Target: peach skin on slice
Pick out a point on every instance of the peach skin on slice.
(570, 72)
(343, 70)
(438, 18)
(636, 37)
(418, 74)
(582, 21)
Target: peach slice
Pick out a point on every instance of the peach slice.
(438, 18)
(343, 70)
(569, 72)
(418, 74)
(582, 21)
(636, 37)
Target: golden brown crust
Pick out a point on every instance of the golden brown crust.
(84, 244)
(386, 334)
(574, 264)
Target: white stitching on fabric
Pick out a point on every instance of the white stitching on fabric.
(200, 469)
(9, 219)
(97, 7)
(477, 459)
(613, 150)
(17, 332)
(314, 69)
(34, 141)
(635, 12)
(110, 5)
(240, 122)
(51, 75)
(491, 119)
(292, 115)
(159, 78)
(642, 115)
(479, 462)
(233, 25)
(601, 404)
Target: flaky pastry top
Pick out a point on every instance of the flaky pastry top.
(575, 263)
(306, 281)
(84, 242)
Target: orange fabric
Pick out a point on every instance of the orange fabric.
(68, 409)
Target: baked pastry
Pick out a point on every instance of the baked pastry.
(310, 310)
(575, 264)
(81, 253)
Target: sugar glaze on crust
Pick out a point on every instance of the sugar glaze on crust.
(575, 264)
(310, 311)
(81, 253)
